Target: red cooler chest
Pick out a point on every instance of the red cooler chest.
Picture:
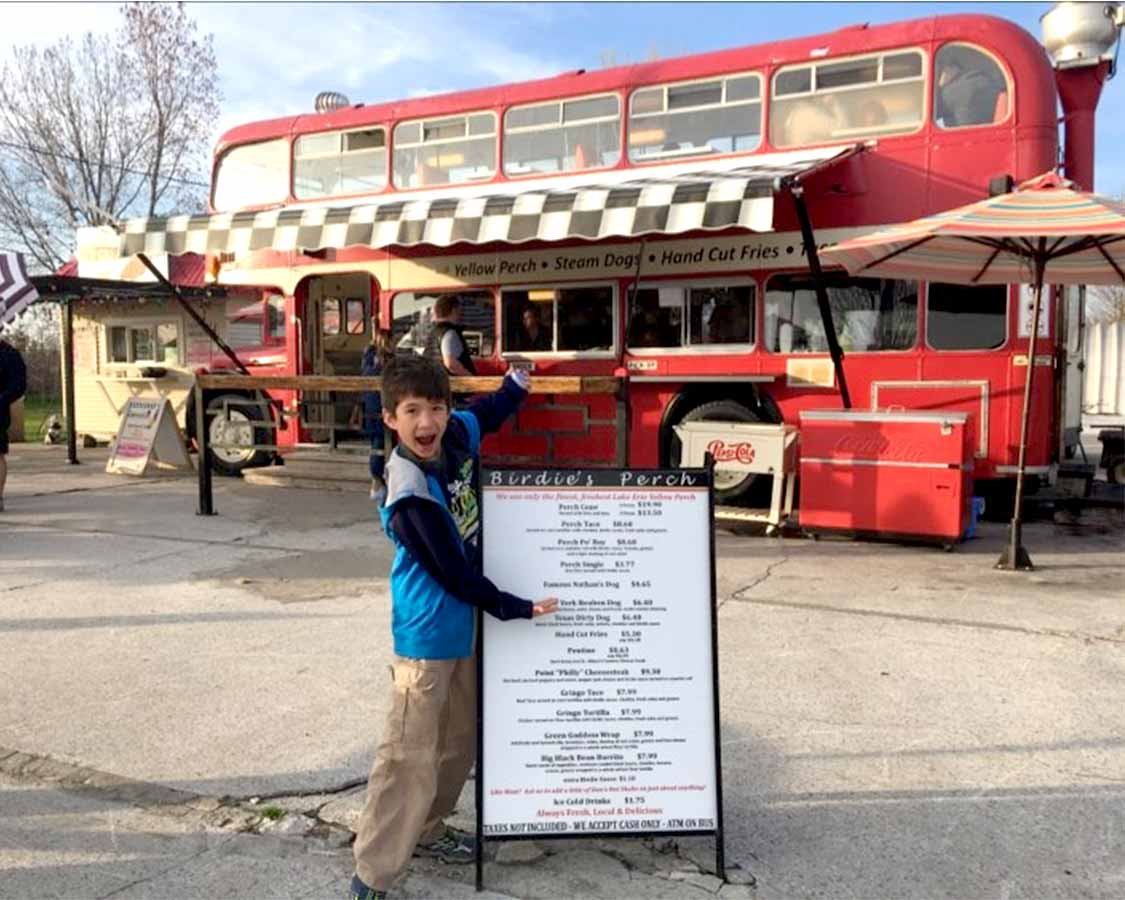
(886, 473)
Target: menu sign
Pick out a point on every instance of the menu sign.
(600, 719)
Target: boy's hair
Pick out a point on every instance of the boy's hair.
(411, 375)
(446, 304)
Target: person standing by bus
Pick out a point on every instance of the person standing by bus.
(374, 358)
(446, 341)
(13, 384)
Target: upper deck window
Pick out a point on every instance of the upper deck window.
(252, 175)
(445, 151)
(723, 115)
(839, 100)
(339, 162)
(563, 136)
(969, 88)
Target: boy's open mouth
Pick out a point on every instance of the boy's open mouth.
(426, 442)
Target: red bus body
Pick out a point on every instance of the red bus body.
(895, 179)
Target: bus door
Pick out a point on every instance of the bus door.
(336, 329)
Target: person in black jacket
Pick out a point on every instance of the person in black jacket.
(13, 384)
(446, 341)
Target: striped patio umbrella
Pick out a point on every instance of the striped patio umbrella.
(1044, 232)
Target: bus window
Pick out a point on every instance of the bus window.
(869, 314)
(970, 88)
(330, 315)
(723, 115)
(252, 175)
(355, 321)
(844, 99)
(966, 317)
(581, 318)
(412, 321)
(715, 314)
(339, 162)
(275, 315)
(244, 322)
(563, 136)
(445, 151)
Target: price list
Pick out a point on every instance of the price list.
(600, 718)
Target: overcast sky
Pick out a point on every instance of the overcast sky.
(274, 58)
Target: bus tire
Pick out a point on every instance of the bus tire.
(239, 429)
(729, 487)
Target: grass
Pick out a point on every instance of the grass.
(273, 812)
(35, 411)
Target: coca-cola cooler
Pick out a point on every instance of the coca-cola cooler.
(889, 474)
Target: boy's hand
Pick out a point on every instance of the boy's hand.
(521, 377)
(544, 607)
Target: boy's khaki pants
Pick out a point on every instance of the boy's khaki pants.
(428, 747)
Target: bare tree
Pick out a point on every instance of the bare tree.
(1105, 303)
(105, 128)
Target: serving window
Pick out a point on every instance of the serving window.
(845, 99)
(339, 162)
(563, 136)
(145, 342)
(869, 314)
(252, 175)
(722, 115)
(558, 320)
(412, 320)
(693, 315)
(450, 150)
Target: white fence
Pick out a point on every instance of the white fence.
(1104, 390)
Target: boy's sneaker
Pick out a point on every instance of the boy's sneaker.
(360, 891)
(455, 846)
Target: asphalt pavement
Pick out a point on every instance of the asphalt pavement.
(191, 704)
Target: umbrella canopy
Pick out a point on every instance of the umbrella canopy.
(1079, 238)
(1043, 232)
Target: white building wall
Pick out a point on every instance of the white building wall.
(1104, 390)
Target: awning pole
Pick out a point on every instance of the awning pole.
(68, 381)
(797, 192)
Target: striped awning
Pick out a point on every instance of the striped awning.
(1077, 238)
(16, 290)
(618, 204)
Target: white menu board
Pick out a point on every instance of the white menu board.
(600, 719)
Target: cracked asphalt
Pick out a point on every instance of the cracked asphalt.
(190, 707)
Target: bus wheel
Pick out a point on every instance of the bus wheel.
(729, 486)
(236, 431)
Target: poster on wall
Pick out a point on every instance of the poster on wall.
(601, 719)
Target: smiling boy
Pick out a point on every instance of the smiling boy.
(432, 517)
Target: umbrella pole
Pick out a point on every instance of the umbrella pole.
(1014, 555)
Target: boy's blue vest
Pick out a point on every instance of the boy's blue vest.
(426, 620)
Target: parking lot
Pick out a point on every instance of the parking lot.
(190, 706)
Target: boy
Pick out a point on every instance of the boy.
(432, 517)
(374, 357)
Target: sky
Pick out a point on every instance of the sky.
(274, 58)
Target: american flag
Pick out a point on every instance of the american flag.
(16, 291)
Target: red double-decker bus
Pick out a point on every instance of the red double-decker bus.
(636, 222)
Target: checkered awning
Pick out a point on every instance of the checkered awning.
(669, 201)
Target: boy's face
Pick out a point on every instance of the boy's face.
(420, 423)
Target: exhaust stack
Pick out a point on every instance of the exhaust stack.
(1081, 40)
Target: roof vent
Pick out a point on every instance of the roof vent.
(1081, 34)
(330, 101)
